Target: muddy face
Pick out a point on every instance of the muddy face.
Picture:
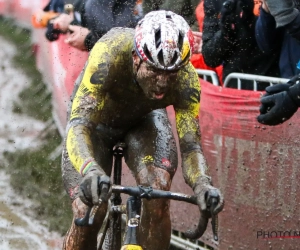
(154, 82)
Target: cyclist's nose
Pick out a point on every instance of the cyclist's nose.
(162, 80)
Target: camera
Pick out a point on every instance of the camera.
(51, 33)
(229, 5)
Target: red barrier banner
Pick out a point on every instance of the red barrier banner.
(4, 7)
(256, 168)
(21, 10)
(60, 65)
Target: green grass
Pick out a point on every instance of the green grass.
(36, 177)
(33, 174)
(25, 60)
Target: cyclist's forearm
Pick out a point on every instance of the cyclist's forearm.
(79, 146)
(193, 167)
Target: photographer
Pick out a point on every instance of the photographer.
(229, 40)
(91, 19)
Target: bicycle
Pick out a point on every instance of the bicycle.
(110, 235)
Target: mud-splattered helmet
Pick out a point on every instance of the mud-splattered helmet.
(164, 40)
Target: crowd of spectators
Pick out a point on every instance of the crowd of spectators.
(230, 36)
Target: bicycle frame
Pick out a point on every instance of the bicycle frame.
(115, 221)
(133, 210)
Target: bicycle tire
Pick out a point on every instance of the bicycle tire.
(102, 232)
(113, 236)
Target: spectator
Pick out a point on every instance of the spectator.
(229, 40)
(40, 18)
(197, 58)
(96, 18)
(280, 36)
(281, 101)
(185, 8)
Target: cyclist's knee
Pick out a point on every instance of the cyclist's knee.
(157, 208)
(155, 177)
(79, 208)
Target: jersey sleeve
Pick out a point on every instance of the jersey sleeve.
(188, 104)
(187, 123)
(104, 68)
(86, 110)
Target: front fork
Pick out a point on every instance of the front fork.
(131, 241)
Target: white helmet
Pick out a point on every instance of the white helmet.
(164, 40)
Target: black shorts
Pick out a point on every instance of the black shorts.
(149, 142)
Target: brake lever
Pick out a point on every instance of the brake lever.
(214, 219)
(88, 219)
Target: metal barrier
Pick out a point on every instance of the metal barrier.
(209, 76)
(254, 78)
(179, 241)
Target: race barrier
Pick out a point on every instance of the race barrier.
(60, 65)
(255, 166)
(4, 7)
(21, 10)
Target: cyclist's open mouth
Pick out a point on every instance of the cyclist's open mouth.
(158, 95)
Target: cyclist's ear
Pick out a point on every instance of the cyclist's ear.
(135, 58)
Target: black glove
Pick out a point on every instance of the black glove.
(94, 187)
(244, 13)
(204, 192)
(51, 33)
(236, 15)
(283, 11)
(228, 18)
(210, 202)
(279, 103)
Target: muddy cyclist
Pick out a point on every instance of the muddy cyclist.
(130, 77)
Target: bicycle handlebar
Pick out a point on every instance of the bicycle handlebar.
(150, 193)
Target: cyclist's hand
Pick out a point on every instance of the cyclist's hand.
(95, 187)
(210, 202)
(209, 199)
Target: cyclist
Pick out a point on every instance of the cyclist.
(131, 76)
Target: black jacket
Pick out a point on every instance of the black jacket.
(283, 41)
(99, 16)
(240, 53)
(185, 8)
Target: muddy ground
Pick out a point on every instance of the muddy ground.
(19, 227)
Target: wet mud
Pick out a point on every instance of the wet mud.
(19, 228)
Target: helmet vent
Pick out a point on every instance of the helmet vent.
(147, 53)
(168, 17)
(160, 57)
(180, 41)
(174, 59)
(157, 38)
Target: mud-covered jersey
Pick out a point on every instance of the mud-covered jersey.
(108, 94)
